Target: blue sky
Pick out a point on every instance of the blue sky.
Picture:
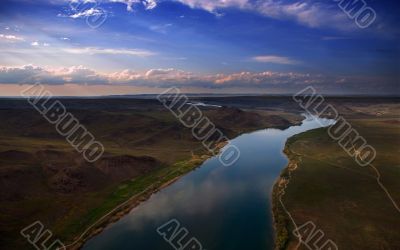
(220, 46)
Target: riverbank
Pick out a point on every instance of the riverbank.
(330, 189)
(178, 170)
(118, 215)
(46, 181)
(283, 226)
(201, 197)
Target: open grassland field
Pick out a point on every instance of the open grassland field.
(43, 178)
(341, 198)
(146, 147)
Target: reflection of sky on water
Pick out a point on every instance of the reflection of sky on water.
(202, 104)
(224, 207)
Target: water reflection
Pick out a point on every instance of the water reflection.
(223, 207)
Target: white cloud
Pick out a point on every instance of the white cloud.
(168, 75)
(267, 78)
(213, 5)
(306, 12)
(274, 59)
(125, 76)
(30, 74)
(11, 38)
(80, 74)
(161, 28)
(37, 44)
(148, 4)
(33, 74)
(94, 50)
(88, 13)
(152, 77)
(130, 4)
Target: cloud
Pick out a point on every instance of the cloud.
(169, 75)
(213, 5)
(268, 78)
(80, 74)
(148, 4)
(125, 76)
(163, 78)
(161, 28)
(11, 38)
(87, 13)
(30, 74)
(94, 51)
(152, 77)
(20, 75)
(305, 12)
(274, 59)
(37, 44)
(309, 13)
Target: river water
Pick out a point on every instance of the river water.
(225, 208)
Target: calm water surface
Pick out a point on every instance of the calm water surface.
(225, 208)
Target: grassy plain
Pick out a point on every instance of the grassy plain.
(341, 198)
(44, 179)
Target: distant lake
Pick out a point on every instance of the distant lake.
(225, 208)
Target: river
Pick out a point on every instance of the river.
(225, 208)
